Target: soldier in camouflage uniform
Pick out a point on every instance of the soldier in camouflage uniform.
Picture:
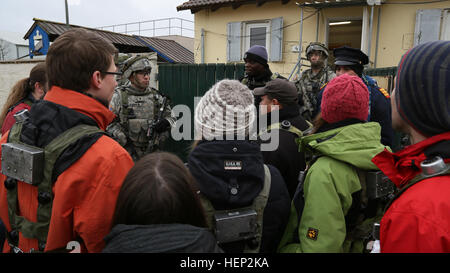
(136, 105)
(312, 80)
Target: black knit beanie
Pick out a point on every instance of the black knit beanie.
(423, 88)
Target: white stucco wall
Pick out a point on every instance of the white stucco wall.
(10, 73)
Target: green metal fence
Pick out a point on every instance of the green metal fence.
(183, 82)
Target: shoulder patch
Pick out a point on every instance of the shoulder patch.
(312, 233)
(323, 85)
(384, 92)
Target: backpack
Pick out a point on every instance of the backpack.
(23, 163)
(242, 224)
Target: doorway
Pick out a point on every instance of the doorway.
(344, 32)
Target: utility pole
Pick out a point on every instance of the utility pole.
(67, 13)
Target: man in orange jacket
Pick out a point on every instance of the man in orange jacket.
(86, 176)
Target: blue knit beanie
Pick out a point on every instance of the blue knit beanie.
(257, 53)
(423, 88)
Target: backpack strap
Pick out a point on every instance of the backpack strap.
(39, 229)
(259, 204)
(285, 125)
(414, 181)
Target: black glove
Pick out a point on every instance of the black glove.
(162, 125)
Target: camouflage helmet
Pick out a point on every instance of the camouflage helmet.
(133, 64)
(316, 46)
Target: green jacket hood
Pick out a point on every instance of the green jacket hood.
(355, 144)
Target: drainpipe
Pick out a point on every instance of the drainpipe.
(317, 24)
(300, 42)
(378, 37)
(370, 32)
(203, 46)
(67, 13)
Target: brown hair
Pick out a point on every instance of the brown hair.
(23, 88)
(317, 123)
(159, 189)
(75, 56)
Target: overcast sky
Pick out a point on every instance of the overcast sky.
(17, 15)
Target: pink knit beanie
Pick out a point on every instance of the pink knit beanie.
(345, 97)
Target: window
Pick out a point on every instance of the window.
(256, 34)
(431, 25)
(243, 35)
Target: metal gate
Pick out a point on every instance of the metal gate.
(183, 82)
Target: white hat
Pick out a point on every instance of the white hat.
(227, 109)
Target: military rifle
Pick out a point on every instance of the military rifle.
(152, 135)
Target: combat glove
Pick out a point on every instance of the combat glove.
(162, 126)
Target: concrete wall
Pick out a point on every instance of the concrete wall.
(10, 73)
(186, 42)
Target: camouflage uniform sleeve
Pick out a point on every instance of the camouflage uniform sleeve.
(115, 128)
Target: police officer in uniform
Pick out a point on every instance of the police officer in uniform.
(351, 61)
(311, 80)
(136, 106)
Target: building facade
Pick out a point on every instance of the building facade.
(384, 30)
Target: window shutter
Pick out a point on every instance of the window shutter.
(428, 22)
(234, 42)
(276, 39)
(445, 34)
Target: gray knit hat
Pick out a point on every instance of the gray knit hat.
(227, 109)
(422, 89)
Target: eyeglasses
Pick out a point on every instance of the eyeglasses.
(116, 74)
(112, 73)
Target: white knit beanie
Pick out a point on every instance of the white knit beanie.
(226, 110)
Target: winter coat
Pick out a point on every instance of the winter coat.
(206, 163)
(84, 193)
(419, 219)
(330, 186)
(164, 238)
(286, 158)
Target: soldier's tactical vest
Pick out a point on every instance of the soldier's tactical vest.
(138, 111)
(23, 163)
(243, 224)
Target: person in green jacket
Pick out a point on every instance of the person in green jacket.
(342, 146)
